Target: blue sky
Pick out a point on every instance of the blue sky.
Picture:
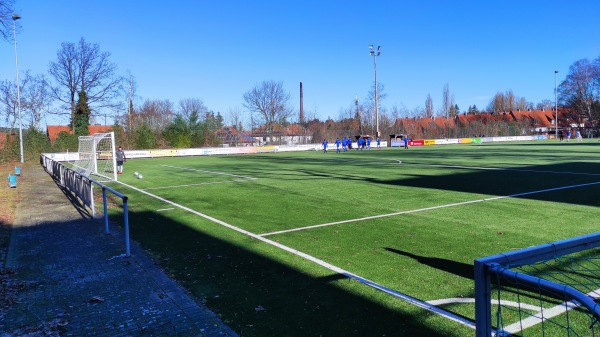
(218, 50)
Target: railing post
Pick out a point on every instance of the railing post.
(126, 221)
(105, 210)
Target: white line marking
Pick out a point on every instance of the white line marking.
(221, 173)
(426, 209)
(165, 209)
(493, 301)
(544, 314)
(199, 184)
(407, 298)
(504, 169)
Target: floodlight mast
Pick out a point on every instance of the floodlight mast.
(16, 17)
(376, 53)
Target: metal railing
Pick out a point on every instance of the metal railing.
(82, 187)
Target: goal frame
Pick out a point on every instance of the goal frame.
(92, 150)
(500, 264)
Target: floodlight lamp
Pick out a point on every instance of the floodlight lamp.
(371, 47)
(378, 53)
(378, 47)
(372, 53)
(16, 17)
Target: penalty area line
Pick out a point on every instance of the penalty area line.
(338, 270)
(198, 184)
(426, 209)
(204, 171)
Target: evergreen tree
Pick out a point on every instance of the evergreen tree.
(145, 138)
(178, 133)
(81, 119)
(66, 143)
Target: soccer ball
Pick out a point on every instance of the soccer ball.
(140, 176)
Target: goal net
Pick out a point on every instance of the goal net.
(97, 156)
(548, 290)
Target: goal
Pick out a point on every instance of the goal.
(97, 156)
(547, 290)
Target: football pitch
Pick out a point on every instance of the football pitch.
(362, 243)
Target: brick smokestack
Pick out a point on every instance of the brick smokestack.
(301, 104)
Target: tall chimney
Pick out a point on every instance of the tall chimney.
(301, 104)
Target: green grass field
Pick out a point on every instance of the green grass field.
(233, 229)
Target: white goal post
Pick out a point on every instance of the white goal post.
(97, 156)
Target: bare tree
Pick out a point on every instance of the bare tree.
(36, 98)
(235, 118)
(506, 101)
(8, 98)
(581, 88)
(429, 106)
(446, 102)
(155, 114)
(453, 108)
(270, 101)
(6, 20)
(83, 67)
(545, 104)
(190, 106)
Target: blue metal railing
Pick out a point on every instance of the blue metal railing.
(81, 186)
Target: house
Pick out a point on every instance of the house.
(230, 136)
(532, 122)
(291, 134)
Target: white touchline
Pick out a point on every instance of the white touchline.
(425, 209)
(407, 298)
(165, 209)
(199, 184)
(221, 173)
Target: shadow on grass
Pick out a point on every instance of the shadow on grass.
(449, 266)
(559, 179)
(259, 296)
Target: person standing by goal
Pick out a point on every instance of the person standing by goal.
(120, 159)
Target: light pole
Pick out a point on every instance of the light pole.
(555, 106)
(16, 17)
(375, 53)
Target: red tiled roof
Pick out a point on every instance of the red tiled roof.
(538, 118)
(54, 130)
(92, 129)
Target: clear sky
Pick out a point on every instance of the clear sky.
(218, 50)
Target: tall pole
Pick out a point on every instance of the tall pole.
(376, 53)
(555, 106)
(16, 17)
(301, 105)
